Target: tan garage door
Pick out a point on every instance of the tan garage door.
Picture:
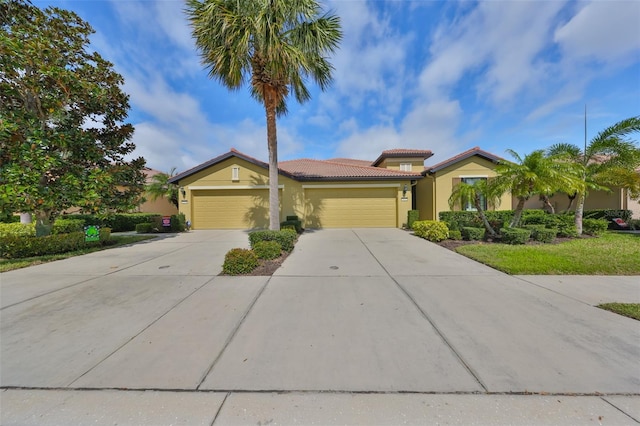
(351, 208)
(230, 209)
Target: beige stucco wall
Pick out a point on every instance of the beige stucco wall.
(417, 164)
(471, 167)
(425, 202)
(292, 196)
(159, 205)
(616, 199)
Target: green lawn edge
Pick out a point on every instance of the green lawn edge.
(610, 254)
(631, 310)
(7, 265)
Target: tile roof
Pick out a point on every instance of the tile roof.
(336, 169)
(402, 152)
(307, 169)
(462, 156)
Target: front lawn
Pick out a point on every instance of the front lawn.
(611, 254)
(115, 241)
(631, 310)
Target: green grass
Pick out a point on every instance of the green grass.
(611, 254)
(115, 241)
(631, 310)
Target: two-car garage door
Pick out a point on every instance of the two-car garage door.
(326, 207)
(230, 209)
(351, 207)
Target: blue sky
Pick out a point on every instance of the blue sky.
(445, 76)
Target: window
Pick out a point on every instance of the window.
(235, 174)
(405, 167)
(468, 204)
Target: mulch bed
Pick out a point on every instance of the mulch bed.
(454, 244)
(268, 267)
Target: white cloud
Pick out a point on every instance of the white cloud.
(602, 30)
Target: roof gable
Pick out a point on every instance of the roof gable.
(476, 151)
(422, 154)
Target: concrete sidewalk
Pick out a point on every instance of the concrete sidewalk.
(366, 326)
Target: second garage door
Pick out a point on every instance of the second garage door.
(230, 209)
(351, 207)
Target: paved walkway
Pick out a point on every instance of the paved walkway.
(368, 326)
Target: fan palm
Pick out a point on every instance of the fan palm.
(476, 192)
(610, 158)
(537, 174)
(275, 45)
(159, 187)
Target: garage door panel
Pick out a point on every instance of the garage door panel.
(230, 209)
(348, 208)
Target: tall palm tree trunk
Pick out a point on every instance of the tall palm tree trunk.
(485, 221)
(517, 214)
(272, 141)
(579, 212)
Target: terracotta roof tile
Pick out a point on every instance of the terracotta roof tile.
(403, 152)
(323, 169)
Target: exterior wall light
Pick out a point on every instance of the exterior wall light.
(184, 192)
(404, 190)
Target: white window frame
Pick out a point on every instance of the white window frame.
(468, 204)
(235, 173)
(406, 167)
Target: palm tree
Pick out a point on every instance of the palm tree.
(159, 187)
(275, 45)
(476, 192)
(608, 159)
(537, 174)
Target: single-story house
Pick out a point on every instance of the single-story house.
(232, 191)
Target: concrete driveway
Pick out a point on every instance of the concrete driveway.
(350, 311)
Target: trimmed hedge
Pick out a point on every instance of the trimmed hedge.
(412, 216)
(431, 230)
(267, 249)
(544, 235)
(455, 235)
(19, 246)
(286, 237)
(497, 218)
(119, 222)
(594, 226)
(294, 224)
(608, 214)
(66, 226)
(470, 233)
(17, 230)
(515, 235)
(144, 228)
(239, 261)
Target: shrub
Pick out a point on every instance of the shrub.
(534, 228)
(17, 230)
(412, 216)
(515, 235)
(634, 224)
(13, 246)
(455, 235)
(105, 236)
(608, 214)
(294, 224)
(565, 223)
(178, 222)
(544, 235)
(267, 249)
(239, 261)
(118, 222)
(594, 226)
(66, 226)
(470, 233)
(286, 238)
(144, 228)
(431, 230)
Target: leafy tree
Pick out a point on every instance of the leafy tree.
(610, 158)
(161, 188)
(273, 44)
(537, 174)
(489, 190)
(62, 141)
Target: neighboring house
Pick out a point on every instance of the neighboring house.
(434, 190)
(616, 199)
(160, 205)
